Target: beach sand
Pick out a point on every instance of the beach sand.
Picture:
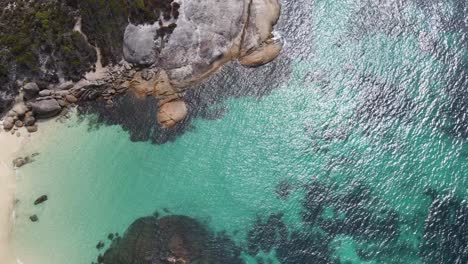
(13, 146)
(10, 146)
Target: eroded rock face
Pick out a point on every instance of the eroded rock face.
(171, 239)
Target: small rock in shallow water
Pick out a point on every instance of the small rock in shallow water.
(19, 162)
(34, 218)
(100, 245)
(41, 199)
(110, 236)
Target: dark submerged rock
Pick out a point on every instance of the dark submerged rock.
(34, 218)
(41, 199)
(172, 238)
(100, 245)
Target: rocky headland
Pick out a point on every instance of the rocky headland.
(72, 52)
(58, 54)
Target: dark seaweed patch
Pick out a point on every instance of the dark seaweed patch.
(355, 213)
(445, 237)
(264, 236)
(136, 116)
(381, 104)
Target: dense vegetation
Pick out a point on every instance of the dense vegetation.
(104, 21)
(38, 41)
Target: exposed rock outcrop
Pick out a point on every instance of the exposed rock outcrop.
(166, 47)
(206, 36)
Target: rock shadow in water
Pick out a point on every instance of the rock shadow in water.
(445, 235)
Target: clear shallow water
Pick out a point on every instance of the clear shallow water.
(361, 148)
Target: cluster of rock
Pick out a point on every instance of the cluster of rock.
(41, 199)
(21, 161)
(196, 39)
(33, 104)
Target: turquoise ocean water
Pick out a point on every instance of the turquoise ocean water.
(360, 150)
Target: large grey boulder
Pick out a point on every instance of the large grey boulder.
(46, 108)
(139, 44)
(205, 35)
(30, 90)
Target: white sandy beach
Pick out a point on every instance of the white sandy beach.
(12, 147)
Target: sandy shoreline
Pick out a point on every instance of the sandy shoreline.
(12, 147)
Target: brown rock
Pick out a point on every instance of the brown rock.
(262, 55)
(158, 85)
(71, 99)
(172, 113)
